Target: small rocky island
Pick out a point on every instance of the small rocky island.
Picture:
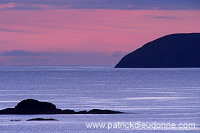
(32, 106)
(171, 51)
(42, 119)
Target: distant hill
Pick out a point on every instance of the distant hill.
(171, 51)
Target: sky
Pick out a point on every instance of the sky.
(87, 32)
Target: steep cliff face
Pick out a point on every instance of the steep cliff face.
(171, 51)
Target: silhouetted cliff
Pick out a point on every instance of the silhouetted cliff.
(171, 51)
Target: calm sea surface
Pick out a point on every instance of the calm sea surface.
(146, 95)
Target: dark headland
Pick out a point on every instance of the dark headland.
(170, 51)
(32, 106)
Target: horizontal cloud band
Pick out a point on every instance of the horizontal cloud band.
(23, 57)
(100, 4)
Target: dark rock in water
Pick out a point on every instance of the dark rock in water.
(42, 119)
(31, 106)
(68, 111)
(15, 120)
(82, 112)
(98, 111)
(8, 111)
(171, 51)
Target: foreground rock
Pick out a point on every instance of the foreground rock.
(42, 119)
(31, 106)
(171, 51)
(98, 111)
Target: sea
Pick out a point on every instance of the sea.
(153, 99)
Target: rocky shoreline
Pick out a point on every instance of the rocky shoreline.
(32, 106)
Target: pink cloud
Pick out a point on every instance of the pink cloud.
(7, 6)
(91, 30)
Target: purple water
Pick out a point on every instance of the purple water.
(146, 95)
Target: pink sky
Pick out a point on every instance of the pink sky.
(86, 36)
